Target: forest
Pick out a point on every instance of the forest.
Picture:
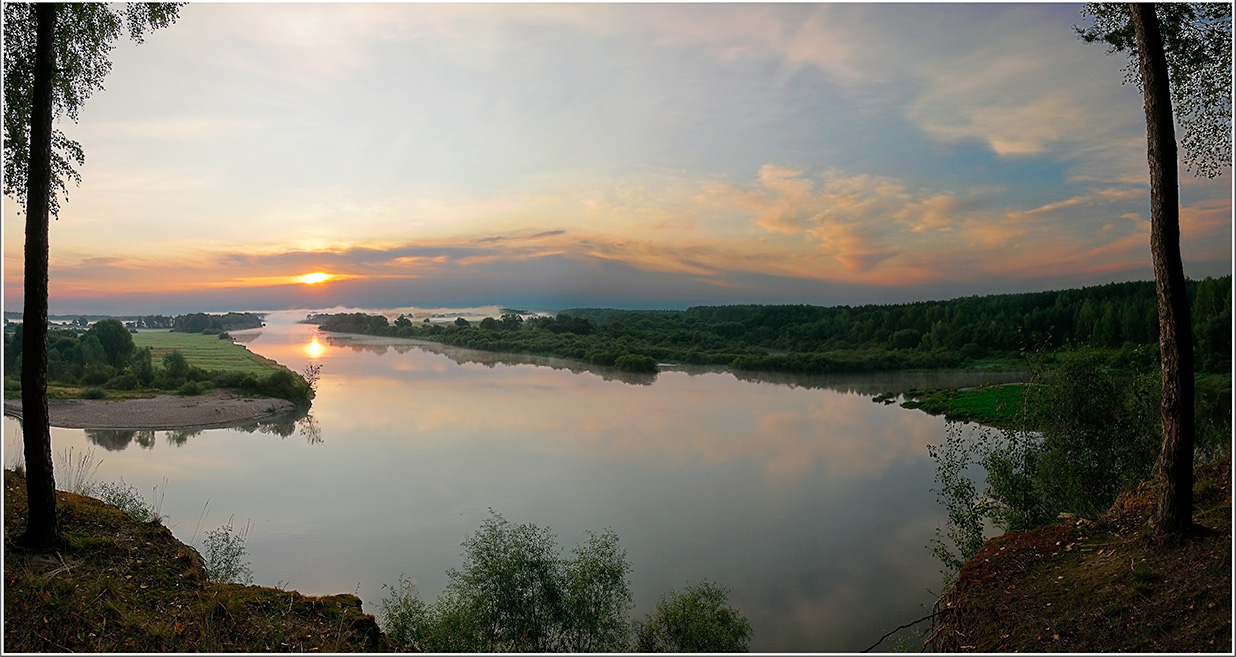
(1118, 319)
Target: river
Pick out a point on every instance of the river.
(811, 503)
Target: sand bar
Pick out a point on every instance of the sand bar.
(214, 409)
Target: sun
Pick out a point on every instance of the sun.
(315, 278)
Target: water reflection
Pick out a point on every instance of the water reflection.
(808, 501)
(464, 356)
(115, 440)
(314, 349)
(299, 421)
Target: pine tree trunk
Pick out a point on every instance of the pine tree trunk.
(1174, 511)
(42, 529)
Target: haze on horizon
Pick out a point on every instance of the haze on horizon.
(643, 155)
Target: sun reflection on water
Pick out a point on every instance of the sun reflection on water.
(314, 349)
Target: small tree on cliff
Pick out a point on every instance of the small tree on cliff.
(1181, 55)
(55, 56)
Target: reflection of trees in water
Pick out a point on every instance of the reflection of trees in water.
(179, 438)
(244, 337)
(490, 359)
(876, 383)
(115, 440)
(309, 428)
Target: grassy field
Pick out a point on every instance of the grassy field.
(998, 406)
(205, 351)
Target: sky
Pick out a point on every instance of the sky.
(637, 156)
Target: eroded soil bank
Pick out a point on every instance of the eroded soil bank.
(120, 585)
(1103, 586)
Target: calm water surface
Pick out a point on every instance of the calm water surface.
(810, 502)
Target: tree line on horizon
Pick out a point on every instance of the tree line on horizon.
(1119, 318)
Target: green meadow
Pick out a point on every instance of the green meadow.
(205, 351)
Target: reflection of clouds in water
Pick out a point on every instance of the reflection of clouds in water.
(679, 419)
(488, 359)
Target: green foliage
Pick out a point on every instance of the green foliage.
(215, 324)
(85, 35)
(1119, 318)
(124, 497)
(115, 340)
(93, 393)
(516, 593)
(1088, 433)
(1197, 42)
(175, 365)
(697, 619)
(636, 363)
(223, 550)
(1100, 433)
(956, 491)
(192, 388)
(122, 382)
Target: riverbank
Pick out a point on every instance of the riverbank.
(1103, 586)
(120, 585)
(217, 408)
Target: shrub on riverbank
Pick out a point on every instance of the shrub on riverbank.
(516, 593)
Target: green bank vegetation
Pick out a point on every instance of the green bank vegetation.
(1069, 442)
(112, 361)
(988, 332)
(516, 592)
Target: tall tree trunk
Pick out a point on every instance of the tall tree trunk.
(1174, 512)
(42, 528)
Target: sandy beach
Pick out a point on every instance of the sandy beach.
(214, 409)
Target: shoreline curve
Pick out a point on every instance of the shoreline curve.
(213, 410)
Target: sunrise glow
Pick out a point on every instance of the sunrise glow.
(314, 349)
(315, 278)
(642, 156)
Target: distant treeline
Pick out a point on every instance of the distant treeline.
(204, 323)
(191, 323)
(1119, 318)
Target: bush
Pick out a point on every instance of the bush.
(223, 550)
(122, 382)
(95, 378)
(636, 363)
(698, 619)
(1089, 434)
(192, 388)
(93, 393)
(284, 384)
(516, 594)
(175, 365)
(126, 498)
